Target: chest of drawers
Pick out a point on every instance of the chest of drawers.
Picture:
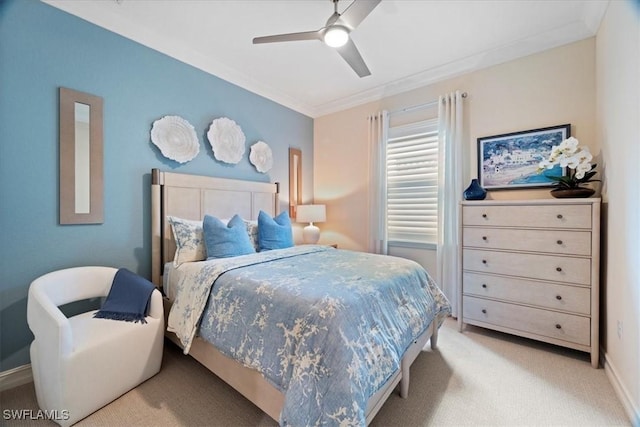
(531, 268)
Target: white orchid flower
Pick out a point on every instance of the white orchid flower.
(580, 172)
(555, 153)
(570, 162)
(569, 146)
(585, 155)
(582, 169)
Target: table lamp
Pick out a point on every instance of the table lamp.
(311, 214)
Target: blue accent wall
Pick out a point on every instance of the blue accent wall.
(43, 48)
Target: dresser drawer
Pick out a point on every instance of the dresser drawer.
(552, 241)
(529, 292)
(562, 326)
(542, 216)
(545, 267)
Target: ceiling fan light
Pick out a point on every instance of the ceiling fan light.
(336, 36)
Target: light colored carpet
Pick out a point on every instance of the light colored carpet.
(475, 378)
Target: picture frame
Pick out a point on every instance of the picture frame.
(510, 161)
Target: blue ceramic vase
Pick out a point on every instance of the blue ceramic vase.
(474, 191)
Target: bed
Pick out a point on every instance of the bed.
(337, 332)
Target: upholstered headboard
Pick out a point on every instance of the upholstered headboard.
(191, 197)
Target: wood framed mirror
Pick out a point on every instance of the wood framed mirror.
(81, 158)
(295, 180)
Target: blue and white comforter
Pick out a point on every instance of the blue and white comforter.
(326, 327)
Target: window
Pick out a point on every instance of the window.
(412, 183)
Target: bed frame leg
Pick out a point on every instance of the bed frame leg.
(434, 339)
(404, 381)
(412, 352)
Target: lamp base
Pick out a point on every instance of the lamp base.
(311, 234)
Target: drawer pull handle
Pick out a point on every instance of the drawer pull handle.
(484, 285)
(484, 215)
(558, 297)
(484, 261)
(484, 311)
(558, 326)
(558, 269)
(559, 216)
(559, 242)
(484, 238)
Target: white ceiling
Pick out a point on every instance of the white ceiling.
(405, 43)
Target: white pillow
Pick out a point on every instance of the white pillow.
(189, 238)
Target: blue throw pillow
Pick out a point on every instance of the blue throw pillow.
(224, 241)
(274, 233)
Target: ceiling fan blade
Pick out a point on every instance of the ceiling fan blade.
(356, 12)
(349, 53)
(291, 37)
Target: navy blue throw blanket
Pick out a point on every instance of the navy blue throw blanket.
(129, 298)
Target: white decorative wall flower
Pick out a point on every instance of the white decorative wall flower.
(261, 156)
(227, 140)
(176, 138)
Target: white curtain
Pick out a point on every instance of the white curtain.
(378, 128)
(449, 194)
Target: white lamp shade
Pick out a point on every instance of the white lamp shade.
(311, 213)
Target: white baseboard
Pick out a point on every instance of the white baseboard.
(629, 405)
(15, 377)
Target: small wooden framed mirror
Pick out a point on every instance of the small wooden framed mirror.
(81, 158)
(295, 180)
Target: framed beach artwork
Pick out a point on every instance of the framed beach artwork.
(510, 161)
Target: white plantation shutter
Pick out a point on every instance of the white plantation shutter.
(412, 183)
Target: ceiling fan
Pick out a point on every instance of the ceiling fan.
(335, 33)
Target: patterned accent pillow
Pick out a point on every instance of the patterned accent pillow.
(189, 237)
(226, 240)
(252, 231)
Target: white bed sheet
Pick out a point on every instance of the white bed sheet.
(170, 279)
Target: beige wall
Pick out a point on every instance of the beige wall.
(546, 89)
(618, 116)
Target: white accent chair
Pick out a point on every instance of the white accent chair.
(80, 363)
